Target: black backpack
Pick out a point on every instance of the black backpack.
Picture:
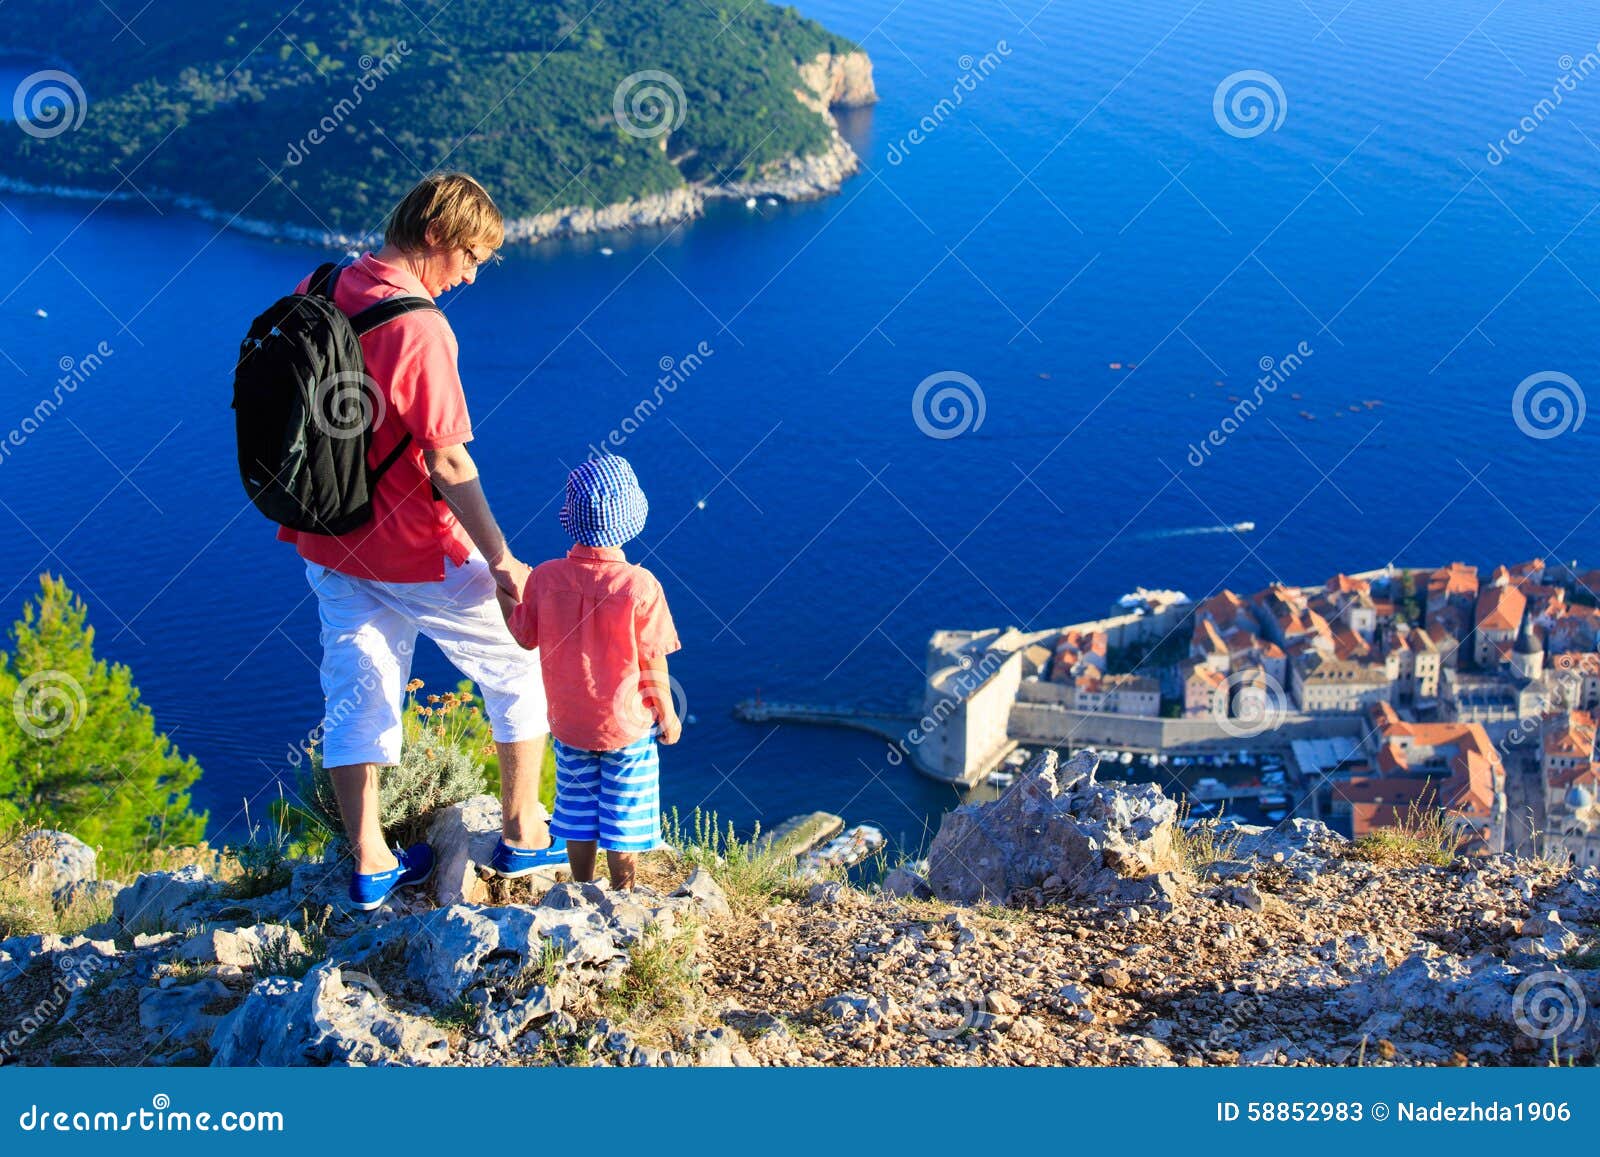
(305, 409)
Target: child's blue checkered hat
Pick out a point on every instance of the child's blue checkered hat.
(604, 506)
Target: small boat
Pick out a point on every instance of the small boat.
(843, 851)
(1044, 376)
(606, 251)
(1001, 779)
(1244, 526)
(1125, 758)
(749, 202)
(772, 200)
(1308, 415)
(40, 313)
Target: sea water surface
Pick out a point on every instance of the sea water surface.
(1072, 201)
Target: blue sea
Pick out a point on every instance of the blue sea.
(1056, 202)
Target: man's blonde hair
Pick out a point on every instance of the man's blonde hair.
(460, 209)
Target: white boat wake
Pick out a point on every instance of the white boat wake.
(1181, 532)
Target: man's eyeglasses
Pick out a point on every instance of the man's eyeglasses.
(474, 262)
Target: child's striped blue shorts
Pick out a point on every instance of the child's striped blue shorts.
(612, 797)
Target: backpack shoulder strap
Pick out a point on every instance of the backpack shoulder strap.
(323, 280)
(387, 310)
(390, 459)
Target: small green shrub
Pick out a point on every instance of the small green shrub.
(441, 763)
(750, 874)
(659, 994)
(265, 858)
(278, 957)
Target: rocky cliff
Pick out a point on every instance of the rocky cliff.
(1071, 922)
(832, 81)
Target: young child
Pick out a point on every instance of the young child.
(603, 632)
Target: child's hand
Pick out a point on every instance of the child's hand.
(671, 728)
(507, 601)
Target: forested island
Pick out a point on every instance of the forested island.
(312, 119)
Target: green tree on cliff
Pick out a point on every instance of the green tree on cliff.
(80, 751)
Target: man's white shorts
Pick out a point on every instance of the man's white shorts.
(369, 632)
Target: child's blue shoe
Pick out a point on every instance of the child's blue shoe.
(369, 891)
(508, 863)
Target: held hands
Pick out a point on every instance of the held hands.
(510, 573)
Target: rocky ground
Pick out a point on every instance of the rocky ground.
(1070, 923)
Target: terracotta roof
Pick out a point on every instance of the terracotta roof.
(1501, 608)
(1456, 579)
(1570, 734)
(1585, 774)
(1225, 607)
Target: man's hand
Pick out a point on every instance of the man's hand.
(510, 574)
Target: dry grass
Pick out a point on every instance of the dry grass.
(1204, 842)
(1423, 835)
(26, 909)
(750, 874)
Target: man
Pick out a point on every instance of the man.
(431, 559)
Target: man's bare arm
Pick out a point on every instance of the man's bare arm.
(456, 475)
